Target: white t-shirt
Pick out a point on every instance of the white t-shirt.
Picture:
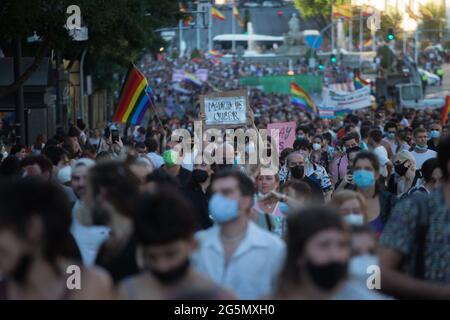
(88, 238)
(157, 160)
(383, 159)
(422, 157)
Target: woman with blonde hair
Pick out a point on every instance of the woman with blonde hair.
(405, 176)
(352, 206)
(268, 207)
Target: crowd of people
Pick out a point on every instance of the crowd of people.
(143, 220)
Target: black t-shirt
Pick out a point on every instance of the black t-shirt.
(199, 201)
(184, 176)
(431, 145)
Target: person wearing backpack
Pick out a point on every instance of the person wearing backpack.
(414, 247)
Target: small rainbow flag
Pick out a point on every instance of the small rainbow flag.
(359, 82)
(445, 110)
(135, 98)
(214, 54)
(301, 99)
(217, 14)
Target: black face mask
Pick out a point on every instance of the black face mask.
(401, 169)
(172, 276)
(297, 172)
(327, 276)
(199, 176)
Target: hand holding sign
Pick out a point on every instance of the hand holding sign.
(225, 109)
(286, 131)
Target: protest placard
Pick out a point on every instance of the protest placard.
(286, 131)
(177, 75)
(225, 109)
(353, 100)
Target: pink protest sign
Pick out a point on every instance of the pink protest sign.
(286, 133)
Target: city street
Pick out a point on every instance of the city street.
(438, 91)
(293, 160)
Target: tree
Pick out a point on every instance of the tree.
(118, 30)
(196, 54)
(319, 10)
(391, 19)
(437, 24)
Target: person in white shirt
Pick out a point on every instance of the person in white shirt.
(375, 137)
(421, 152)
(89, 237)
(235, 253)
(152, 148)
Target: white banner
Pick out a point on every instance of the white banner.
(177, 75)
(354, 100)
(202, 74)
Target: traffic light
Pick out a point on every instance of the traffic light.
(333, 58)
(321, 67)
(390, 35)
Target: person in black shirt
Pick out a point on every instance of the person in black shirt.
(172, 165)
(435, 136)
(112, 192)
(197, 192)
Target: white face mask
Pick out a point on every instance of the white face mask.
(358, 265)
(316, 146)
(354, 219)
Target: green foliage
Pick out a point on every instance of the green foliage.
(196, 53)
(432, 26)
(316, 8)
(119, 30)
(391, 19)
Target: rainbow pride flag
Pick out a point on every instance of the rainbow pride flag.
(214, 54)
(359, 82)
(135, 98)
(445, 111)
(301, 99)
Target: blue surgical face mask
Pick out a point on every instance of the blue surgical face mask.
(223, 209)
(391, 135)
(435, 134)
(421, 148)
(364, 178)
(354, 219)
